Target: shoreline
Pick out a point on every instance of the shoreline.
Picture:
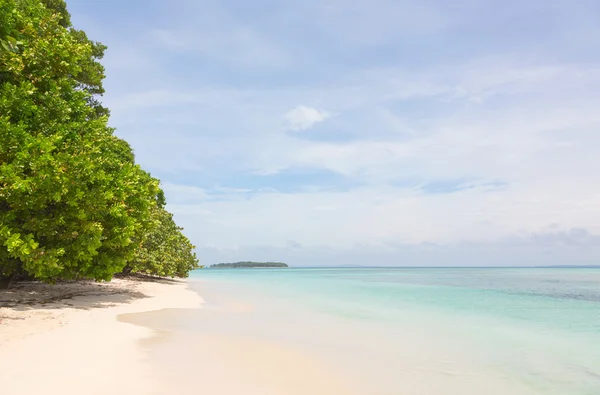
(82, 337)
(135, 337)
(252, 339)
(68, 337)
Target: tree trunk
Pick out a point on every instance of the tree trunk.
(5, 281)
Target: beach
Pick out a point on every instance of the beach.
(67, 340)
(309, 331)
(384, 331)
(76, 342)
(70, 339)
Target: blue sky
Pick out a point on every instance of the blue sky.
(365, 132)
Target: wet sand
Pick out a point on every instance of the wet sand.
(158, 339)
(241, 342)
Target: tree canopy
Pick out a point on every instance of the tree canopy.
(165, 251)
(73, 202)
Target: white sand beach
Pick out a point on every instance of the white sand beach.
(54, 345)
(68, 339)
(161, 337)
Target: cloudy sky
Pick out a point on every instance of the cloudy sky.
(379, 132)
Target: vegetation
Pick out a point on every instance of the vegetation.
(73, 202)
(249, 265)
(165, 250)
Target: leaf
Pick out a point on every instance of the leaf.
(66, 181)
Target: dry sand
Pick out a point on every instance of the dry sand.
(66, 339)
(69, 339)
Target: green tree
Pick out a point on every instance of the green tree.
(165, 251)
(72, 199)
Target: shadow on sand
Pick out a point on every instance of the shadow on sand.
(84, 295)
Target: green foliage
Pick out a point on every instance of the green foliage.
(59, 7)
(10, 44)
(73, 202)
(165, 251)
(249, 265)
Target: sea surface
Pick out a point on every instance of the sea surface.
(417, 330)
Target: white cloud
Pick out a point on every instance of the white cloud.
(183, 194)
(559, 248)
(375, 215)
(302, 117)
(522, 114)
(541, 144)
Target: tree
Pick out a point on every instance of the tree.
(165, 251)
(72, 199)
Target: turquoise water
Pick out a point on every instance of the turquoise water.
(537, 330)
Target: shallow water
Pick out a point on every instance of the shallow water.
(411, 331)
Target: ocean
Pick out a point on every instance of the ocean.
(517, 331)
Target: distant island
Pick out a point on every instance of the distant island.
(248, 265)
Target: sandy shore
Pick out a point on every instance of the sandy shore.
(73, 339)
(66, 339)
(149, 338)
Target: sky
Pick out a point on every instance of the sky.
(380, 132)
